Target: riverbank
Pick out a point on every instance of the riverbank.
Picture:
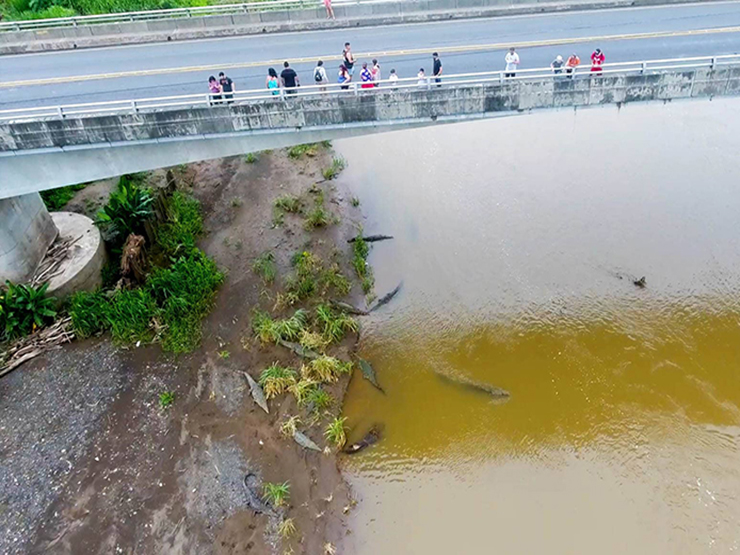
(91, 459)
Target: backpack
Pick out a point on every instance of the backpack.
(317, 75)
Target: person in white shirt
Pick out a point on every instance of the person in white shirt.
(319, 76)
(512, 62)
(393, 78)
(422, 78)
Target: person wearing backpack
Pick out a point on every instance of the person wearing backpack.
(319, 76)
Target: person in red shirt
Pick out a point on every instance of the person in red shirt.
(597, 60)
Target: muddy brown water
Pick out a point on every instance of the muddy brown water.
(517, 241)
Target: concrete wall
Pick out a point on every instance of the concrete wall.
(351, 15)
(26, 233)
(49, 153)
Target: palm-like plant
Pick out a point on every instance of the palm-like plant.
(24, 309)
(127, 210)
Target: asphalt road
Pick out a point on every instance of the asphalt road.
(207, 57)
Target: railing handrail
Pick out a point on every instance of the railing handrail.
(224, 9)
(428, 82)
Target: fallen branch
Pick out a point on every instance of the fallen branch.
(33, 345)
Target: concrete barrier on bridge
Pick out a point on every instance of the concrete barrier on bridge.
(349, 15)
(37, 155)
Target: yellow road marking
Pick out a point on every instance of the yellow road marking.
(378, 54)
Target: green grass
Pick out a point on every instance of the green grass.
(318, 216)
(334, 324)
(276, 380)
(355, 202)
(183, 226)
(309, 149)
(170, 305)
(224, 354)
(337, 165)
(336, 432)
(313, 341)
(290, 426)
(319, 400)
(276, 494)
(251, 158)
(44, 9)
(56, 199)
(272, 331)
(333, 278)
(166, 398)
(264, 266)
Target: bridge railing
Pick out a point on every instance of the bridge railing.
(222, 9)
(329, 90)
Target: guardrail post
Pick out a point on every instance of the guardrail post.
(209, 100)
(16, 27)
(190, 14)
(60, 112)
(74, 22)
(354, 88)
(429, 83)
(134, 109)
(712, 63)
(643, 68)
(501, 77)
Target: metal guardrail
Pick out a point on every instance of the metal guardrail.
(126, 17)
(135, 106)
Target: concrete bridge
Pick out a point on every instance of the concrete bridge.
(44, 148)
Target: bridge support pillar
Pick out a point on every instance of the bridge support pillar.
(26, 233)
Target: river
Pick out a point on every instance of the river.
(517, 241)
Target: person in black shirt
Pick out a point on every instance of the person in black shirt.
(289, 79)
(437, 70)
(227, 87)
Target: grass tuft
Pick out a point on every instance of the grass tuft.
(336, 432)
(334, 324)
(286, 528)
(298, 151)
(272, 331)
(251, 158)
(264, 266)
(166, 398)
(337, 165)
(290, 426)
(276, 494)
(327, 369)
(56, 199)
(276, 380)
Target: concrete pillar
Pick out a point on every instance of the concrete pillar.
(26, 233)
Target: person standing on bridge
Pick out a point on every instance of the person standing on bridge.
(319, 76)
(437, 69)
(422, 78)
(272, 82)
(512, 62)
(367, 77)
(227, 87)
(375, 72)
(597, 60)
(557, 65)
(348, 58)
(289, 79)
(343, 78)
(329, 10)
(215, 90)
(570, 66)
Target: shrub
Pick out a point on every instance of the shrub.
(183, 226)
(336, 432)
(360, 252)
(313, 341)
(24, 309)
(129, 314)
(319, 400)
(276, 494)
(127, 210)
(276, 380)
(251, 158)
